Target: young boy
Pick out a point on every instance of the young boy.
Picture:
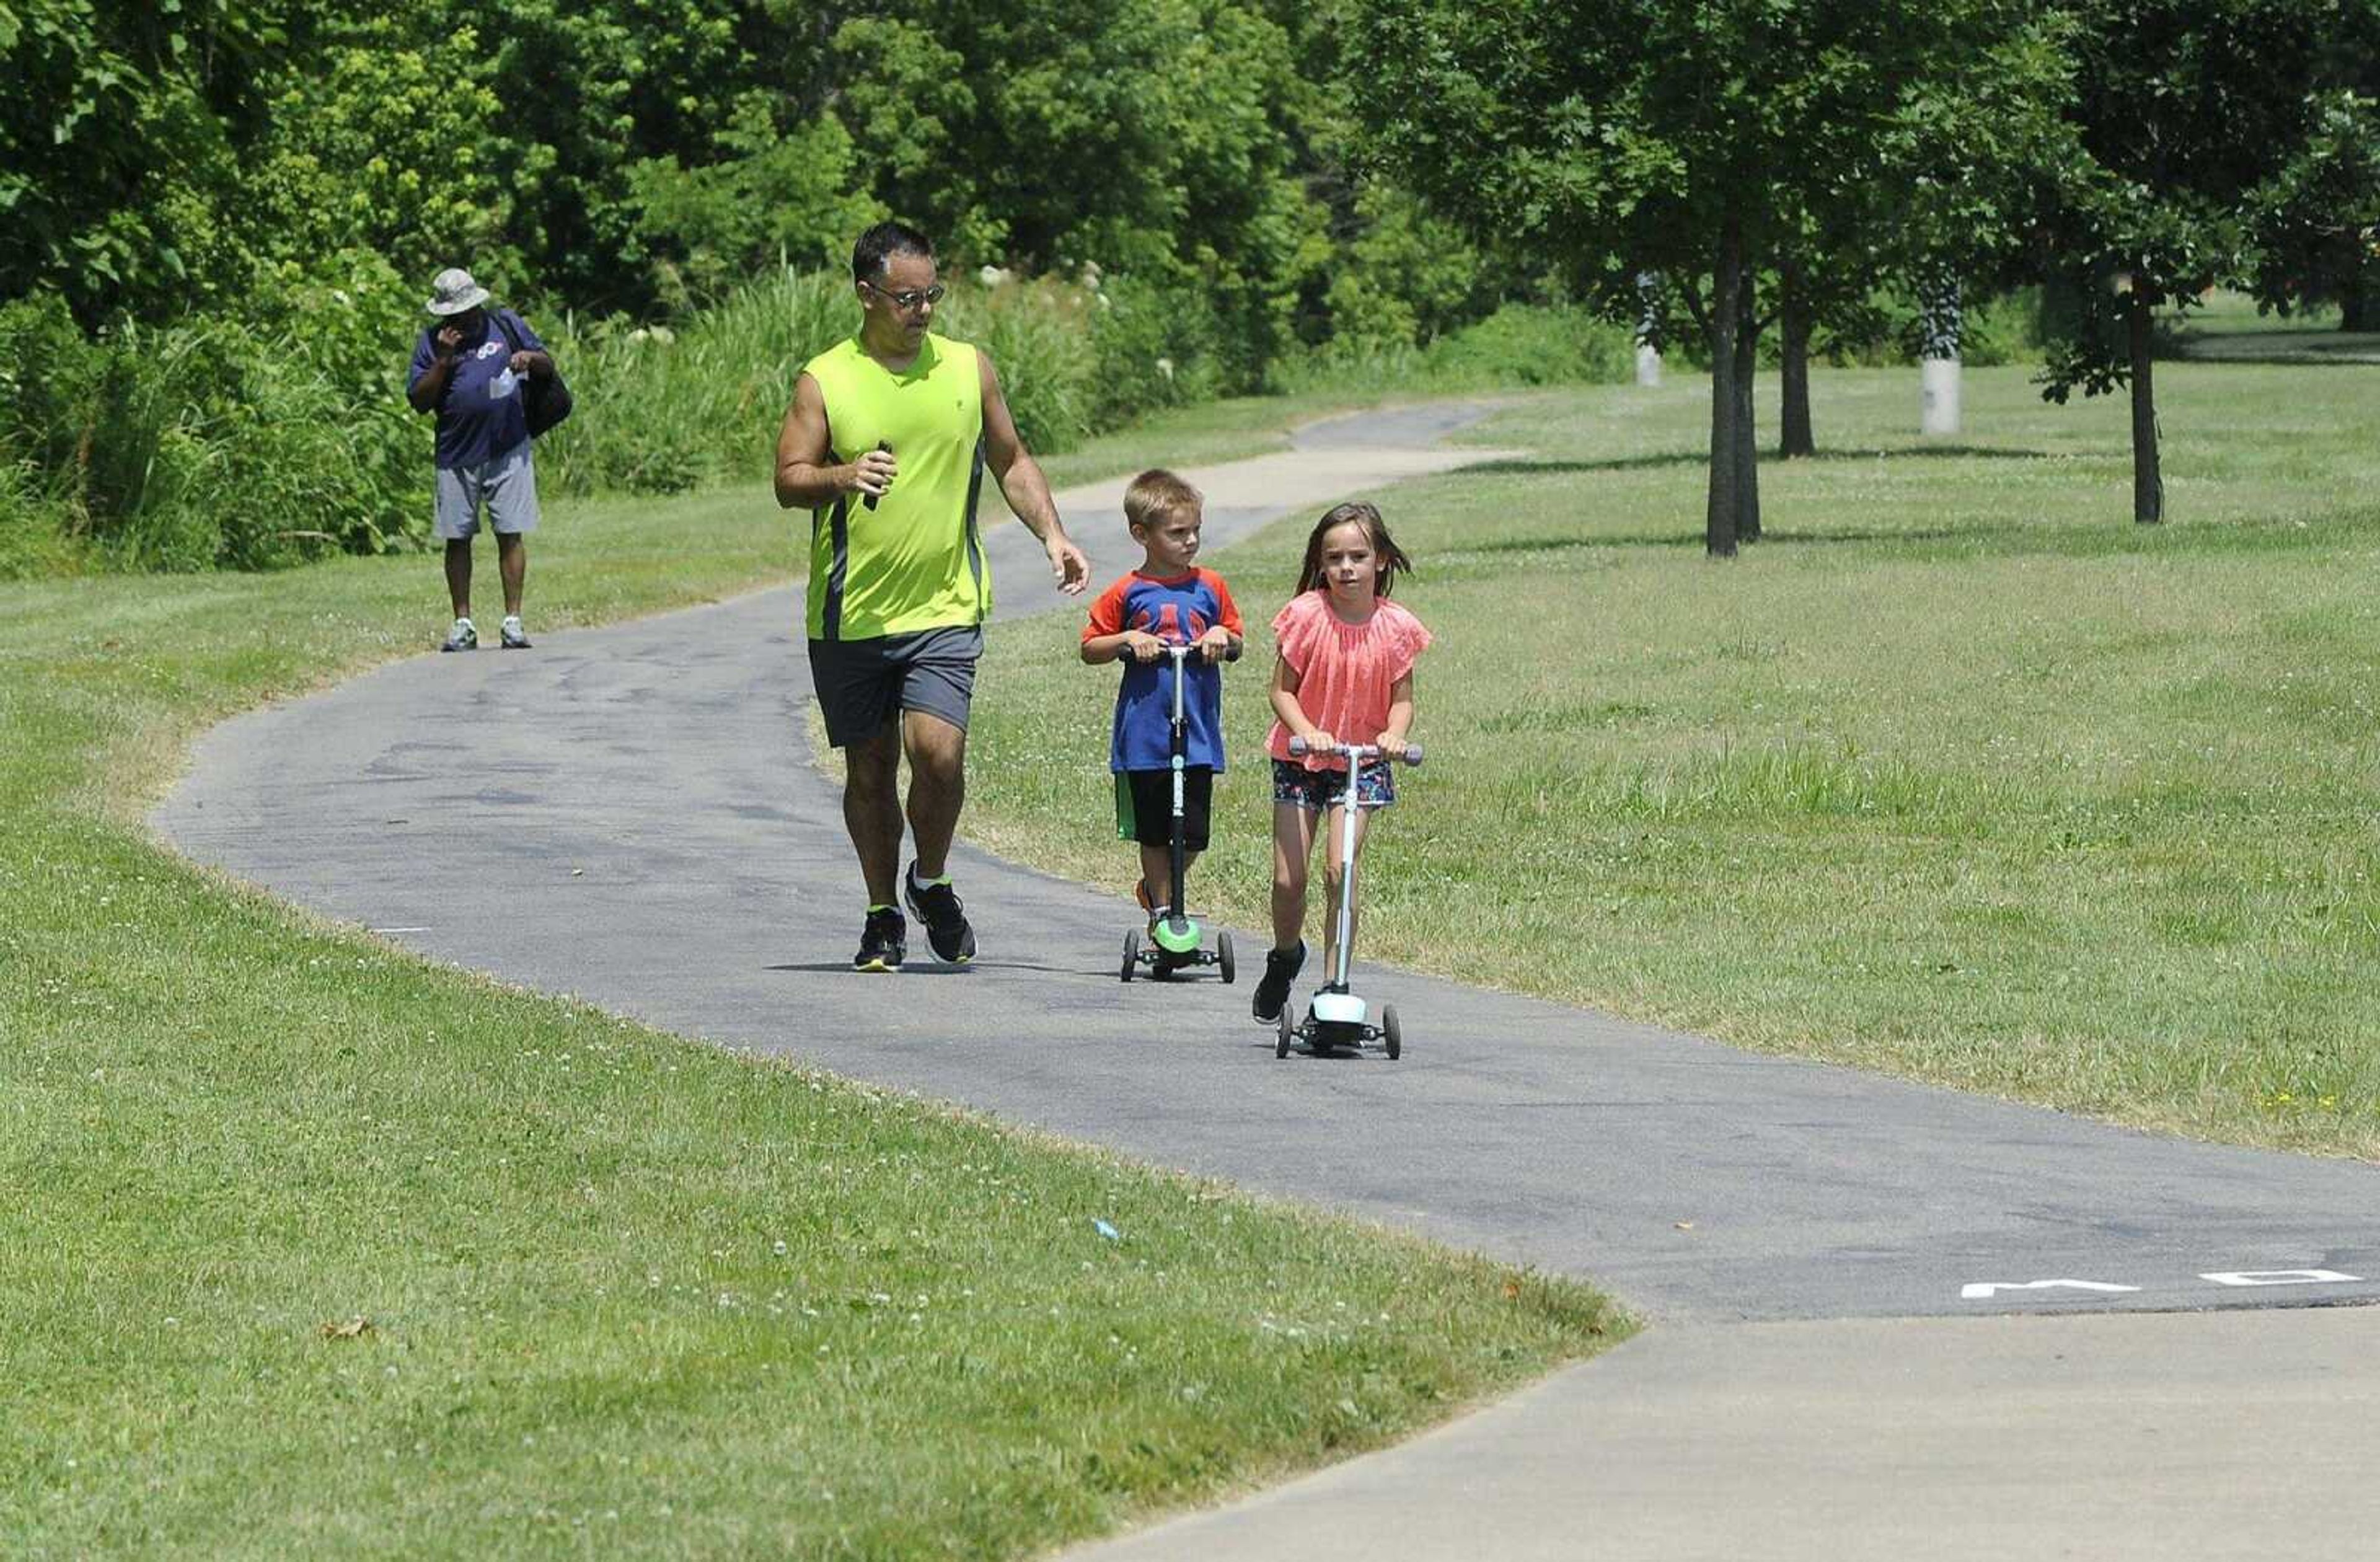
(1167, 601)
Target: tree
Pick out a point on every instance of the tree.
(2315, 227)
(121, 135)
(2187, 112)
(1695, 139)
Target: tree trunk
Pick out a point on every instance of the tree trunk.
(2356, 295)
(2148, 487)
(1726, 319)
(1747, 447)
(1793, 434)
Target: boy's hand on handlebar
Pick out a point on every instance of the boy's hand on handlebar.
(1142, 645)
(1216, 644)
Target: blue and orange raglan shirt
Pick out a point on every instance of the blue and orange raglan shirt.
(1177, 611)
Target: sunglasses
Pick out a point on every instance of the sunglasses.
(910, 298)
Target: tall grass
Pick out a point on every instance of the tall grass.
(283, 435)
(662, 409)
(212, 442)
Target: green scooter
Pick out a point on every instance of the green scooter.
(1175, 942)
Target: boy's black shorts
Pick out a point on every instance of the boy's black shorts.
(1144, 806)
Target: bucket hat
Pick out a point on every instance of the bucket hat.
(453, 292)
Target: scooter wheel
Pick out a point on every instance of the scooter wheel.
(1131, 953)
(1281, 1033)
(1223, 956)
(1391, 1035)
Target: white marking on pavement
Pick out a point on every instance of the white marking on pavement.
(2283, 1278)
(1981, 1289)
(396, 930)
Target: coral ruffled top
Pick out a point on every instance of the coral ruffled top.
(1344, 671)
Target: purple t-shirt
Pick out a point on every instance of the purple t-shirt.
(481, 417)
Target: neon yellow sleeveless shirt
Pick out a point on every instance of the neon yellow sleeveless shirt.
(916, 561)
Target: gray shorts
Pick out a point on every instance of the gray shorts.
(863, 684)
(506, 484)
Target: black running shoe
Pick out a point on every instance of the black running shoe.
(937, 906)
(1273, 990)
(882, 942)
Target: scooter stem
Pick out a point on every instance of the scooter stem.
(1177, 894)
(1346, 877)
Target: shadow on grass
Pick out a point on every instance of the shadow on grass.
(1698, 458)
(2324, 348)
(2118, 535)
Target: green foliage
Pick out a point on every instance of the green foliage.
(1618, 138)
(392, 146)
(239, 441)
(775, 195)
(120, 135)
(2190, 114)
(1519, 344)
(1405, 276)
(2316, 223)
(1153, 348)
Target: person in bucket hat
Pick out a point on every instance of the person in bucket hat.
(469, 367)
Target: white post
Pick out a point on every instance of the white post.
(1938, 380)
(1937, 365)
(1649, 356)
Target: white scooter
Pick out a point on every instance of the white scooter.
(1338, 1018)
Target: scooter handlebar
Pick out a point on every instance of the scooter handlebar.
(1187, 648)
(1358, 753)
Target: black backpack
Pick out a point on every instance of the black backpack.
(547, 402)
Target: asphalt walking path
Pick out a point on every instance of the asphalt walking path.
(1838, 1267)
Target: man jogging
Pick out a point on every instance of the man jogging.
(886, 444)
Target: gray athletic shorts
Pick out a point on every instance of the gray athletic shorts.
(506, 484)
(863, 684)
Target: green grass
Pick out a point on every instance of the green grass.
(315, 1249)
(1960, 776)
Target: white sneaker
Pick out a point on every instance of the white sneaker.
(511, 636)
(462, 637)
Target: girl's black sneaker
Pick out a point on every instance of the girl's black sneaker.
(1272, 991)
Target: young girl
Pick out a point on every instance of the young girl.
(1345, 674)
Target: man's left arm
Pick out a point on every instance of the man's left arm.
(532, 359)
(1021, 482)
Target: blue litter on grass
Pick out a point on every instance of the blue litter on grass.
(1104, 1229)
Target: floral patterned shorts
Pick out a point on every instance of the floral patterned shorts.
(1316, 791)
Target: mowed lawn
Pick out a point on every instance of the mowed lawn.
(309, 1248)
(1960, 774)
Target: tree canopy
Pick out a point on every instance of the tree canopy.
(1705, 141)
